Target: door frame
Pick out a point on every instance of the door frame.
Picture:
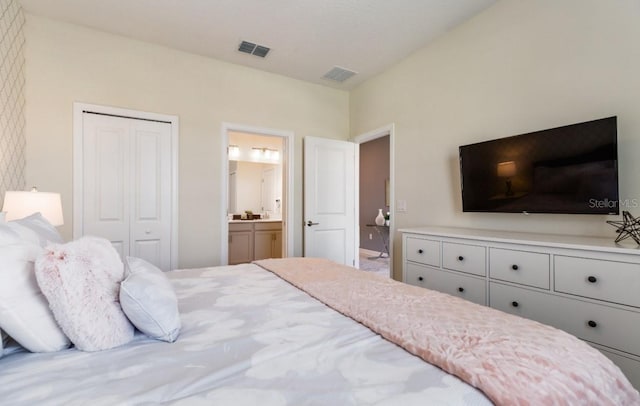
(389, 130)
(287, 192)
(78, 165)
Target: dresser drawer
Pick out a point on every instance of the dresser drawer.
(630, 367)
(600, 324)
(423, 251)
(464, 258)
(526, 268)
(466, 287)
(617, 282)
(415, 275)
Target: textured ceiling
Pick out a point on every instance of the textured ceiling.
(307, 37)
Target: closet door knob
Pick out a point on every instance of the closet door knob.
(592, 323)
(515, 304)
(460, 258)
(592, 279)
(514, 267)
(460, 289)
(420, 278)
(420, 251)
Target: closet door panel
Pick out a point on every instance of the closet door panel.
(151, 192)
(105, 185)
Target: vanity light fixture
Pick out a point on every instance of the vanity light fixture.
(234, 151)
(265, 153)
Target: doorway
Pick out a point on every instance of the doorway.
(257, 180)
(375, 179)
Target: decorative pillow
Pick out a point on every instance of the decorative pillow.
(81, 280)
(149, 301)
(24, 312)
(36, 229)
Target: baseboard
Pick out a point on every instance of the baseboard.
(369, 253)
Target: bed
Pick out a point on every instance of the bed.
(247, 338)
(292, 331)
(257, 334)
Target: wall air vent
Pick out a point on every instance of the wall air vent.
(253, 49)
(339, 74)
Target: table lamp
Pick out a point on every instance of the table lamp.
(18, 204)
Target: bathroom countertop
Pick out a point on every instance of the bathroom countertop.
(257, 221)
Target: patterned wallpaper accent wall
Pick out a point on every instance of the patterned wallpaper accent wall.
(12, 99)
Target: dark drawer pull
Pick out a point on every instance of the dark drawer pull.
(592, 323)
(515, 304)
(460, 258)
(420, 251)
(514, 267)
(592, 279)
(461, 289)
(420, 278)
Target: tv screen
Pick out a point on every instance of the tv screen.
(571, 169)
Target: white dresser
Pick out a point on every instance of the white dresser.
(588, 287)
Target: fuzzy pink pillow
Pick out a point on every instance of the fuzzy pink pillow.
(81, 281)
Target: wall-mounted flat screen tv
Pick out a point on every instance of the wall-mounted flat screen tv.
(571, 169)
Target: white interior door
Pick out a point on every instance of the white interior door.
(127, 185)
(330, 200)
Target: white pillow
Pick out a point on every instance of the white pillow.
(24, 312)
(81, 280)
(149, 301)
(7, 235)
(36, 229)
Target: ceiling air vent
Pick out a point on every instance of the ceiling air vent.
(339, 74)
(253, 49)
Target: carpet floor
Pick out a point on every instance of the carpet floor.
(379, 266)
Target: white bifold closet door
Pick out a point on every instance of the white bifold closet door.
(127, 185)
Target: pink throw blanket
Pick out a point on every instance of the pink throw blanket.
(514, 361)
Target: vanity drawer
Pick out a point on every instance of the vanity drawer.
(617, 282)
(464, 258)
(600, 324)
(423, 251)
(465, 287)
(268, 226)
(240, 227)
(526, 268)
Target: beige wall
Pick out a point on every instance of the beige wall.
(67, 63)
(517, 67)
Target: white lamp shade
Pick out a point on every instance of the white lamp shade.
(506, 169)
(18, 205)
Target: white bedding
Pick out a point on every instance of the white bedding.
(248, 338)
